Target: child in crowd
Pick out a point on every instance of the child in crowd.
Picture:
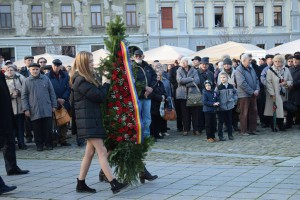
(209, 108)
(227, 97)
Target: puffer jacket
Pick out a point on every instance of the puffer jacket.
(185, 82)
(15, 83)
(87, 100)
(208, 99)
(227, 97)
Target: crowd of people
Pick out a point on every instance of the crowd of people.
(232, 91)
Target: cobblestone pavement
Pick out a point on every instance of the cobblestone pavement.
(265, 166)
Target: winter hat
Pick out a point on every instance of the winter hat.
(208, 82)
(227, 61)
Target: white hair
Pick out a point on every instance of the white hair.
(244, 57)
(185, 59)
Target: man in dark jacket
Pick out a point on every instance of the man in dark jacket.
(204, 75)
(60, 83)
(174, 83)
(25, 72)
(7, 140)
(145, 80)
(294, 94)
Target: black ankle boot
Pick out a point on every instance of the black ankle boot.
(281, 124)
(4, 188)
(147, 176)
(116, 186)
(102, 177)
(82, 187)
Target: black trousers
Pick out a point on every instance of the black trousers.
(42, 129)
(210, 124)
(260, 109)
(225, 116)
(28, 127)
(179, 114)
(9, 152)
(235, 117)
(164, 127)
(186, 113)
(201, 119)
(156, 125)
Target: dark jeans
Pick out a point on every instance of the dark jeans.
(235, 117)
(225, 116)
(156, 125)
(19, 128)
(179, 115)
(210, 124)
(42, 129)
(201, 119)
(186, 112)
(248, 114)
(28, 128)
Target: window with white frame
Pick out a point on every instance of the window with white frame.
(277, 15)
(96, 15)
(259, 16)
(5, 16)
(199, 17)
(239, 16)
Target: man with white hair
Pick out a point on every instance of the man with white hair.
(248, 90)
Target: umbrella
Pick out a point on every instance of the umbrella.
(66, 60)
(274, 116)
(99, 55)
(166, 54)
(233, 49)
(287, 48)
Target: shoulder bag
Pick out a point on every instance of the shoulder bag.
(62, 116)
(170, 112)
(194, 99)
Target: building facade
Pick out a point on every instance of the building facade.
(69, 26)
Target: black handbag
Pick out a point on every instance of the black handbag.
(194, 99)
(289, 106)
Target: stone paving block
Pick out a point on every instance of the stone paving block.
(261, 190)
(190, 192)
(291, 180)
(203, 187)
(168, 191)
(210, 198)
(180, 197)
(269, 196)
(237, 184)
(282, 191)
(288, 186)
(213, 182)
(156, 196)
(225, 188)
(294, 197)
(246, 195)
(218, 194)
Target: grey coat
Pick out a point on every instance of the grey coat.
(226, 96)
(247, 81)
(38, 97)
(185, 82)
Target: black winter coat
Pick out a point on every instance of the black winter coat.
(6, 112)
(173, 80)
(87, 100)
(294, 94)
(156, 97)
(203, 76)
(25, 72)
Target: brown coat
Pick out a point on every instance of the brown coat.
(273, 88)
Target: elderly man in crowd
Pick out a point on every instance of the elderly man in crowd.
(248, 90)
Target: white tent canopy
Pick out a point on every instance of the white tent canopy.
(166, 54)
(98, 55)
(66, 60)
(287, 48)
(233, 49)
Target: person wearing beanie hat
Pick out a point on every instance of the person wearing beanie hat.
(209, 103)
(38, 103)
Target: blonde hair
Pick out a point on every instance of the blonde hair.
(81, 65)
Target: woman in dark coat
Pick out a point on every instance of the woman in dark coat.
(88, 95)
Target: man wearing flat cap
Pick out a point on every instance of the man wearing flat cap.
(60, 83)
(38, 102)
(25, 72)
(196, 62)
(294, 94)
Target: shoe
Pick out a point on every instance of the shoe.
(5, 189)
(65, 144)
(222, 139)
(49, 148)
(147, 176)
(197, 133)
(210, 140)
(117, 186)
(265, 126)
(216, 139)
(29, 140)
(252, 133)
(274, 129)
(288, 126)
(165, 134)
(39, 148)
(179, 130)
(230, 137)
(185, 133)
(17, 171)
(282, 129)
(168, 128)
(82, 187)
(102, 177)
(244, 134)
(159, 137)
(22, 146)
